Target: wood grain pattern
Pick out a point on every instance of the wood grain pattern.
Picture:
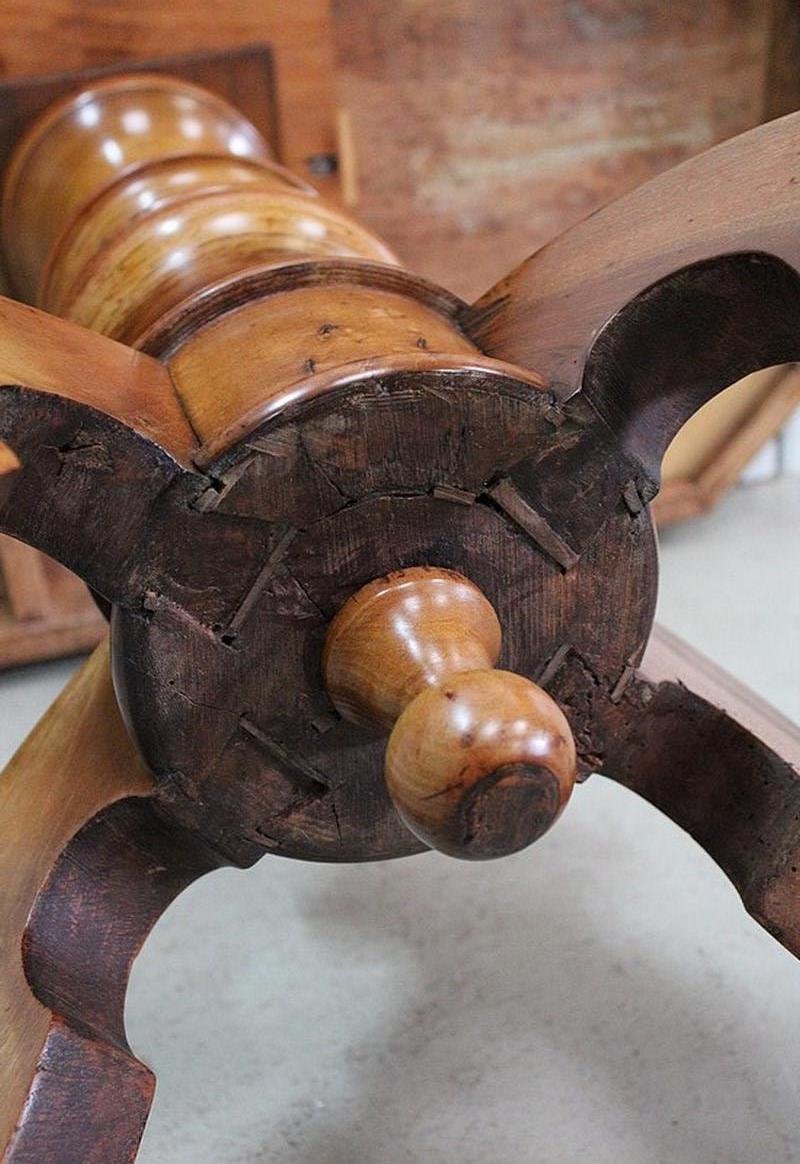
(54, 357)
(247, 76)
(353, 452)
(78, 760)
(500, 126)
(647, 310)
(479, 762)
(69, 36)
(740, 196)
(402, 633)
(85, 143)
(720, 763)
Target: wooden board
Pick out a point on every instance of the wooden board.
(709, 454)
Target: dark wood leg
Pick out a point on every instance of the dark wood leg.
(722, 765)
(86, 868)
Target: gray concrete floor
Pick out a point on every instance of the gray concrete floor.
(600, 998)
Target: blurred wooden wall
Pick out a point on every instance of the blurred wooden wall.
(483, 129)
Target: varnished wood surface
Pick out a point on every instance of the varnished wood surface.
(50, 355)
(646, 311)
(68, 36)
(327, 327)
(402, 633)
(77, 760)
(481, 765)
(479, 762)
(112, 214)
(86, 142)
(208, 202)
(225, 571)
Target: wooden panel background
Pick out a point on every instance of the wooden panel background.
(499, 125)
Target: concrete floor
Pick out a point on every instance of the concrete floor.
(600, 998)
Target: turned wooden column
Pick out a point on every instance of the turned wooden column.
(127, 197)
(312, 502)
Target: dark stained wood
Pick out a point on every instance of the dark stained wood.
(77, 761)
(312, 505)
(53, 357)
(644, 312)
(727, 771)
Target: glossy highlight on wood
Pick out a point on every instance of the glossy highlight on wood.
(479, 762)
(86, 143)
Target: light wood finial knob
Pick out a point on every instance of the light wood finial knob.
(480, 762)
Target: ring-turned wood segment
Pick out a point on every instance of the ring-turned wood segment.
(322, 418)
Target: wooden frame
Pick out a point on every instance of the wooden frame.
(717, 466)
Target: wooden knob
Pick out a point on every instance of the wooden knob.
(480, 762)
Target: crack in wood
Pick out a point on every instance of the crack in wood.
(266, 572)
(444, 492)
(553, 665)
(298, 771)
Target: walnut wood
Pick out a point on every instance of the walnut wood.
(730, 778)
(479, 762)
(77, 761)
(230, 515)
(98, 431)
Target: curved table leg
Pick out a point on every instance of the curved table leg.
(722, 764)
(86, 868)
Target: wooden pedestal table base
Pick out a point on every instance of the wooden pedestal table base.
(325, 501)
